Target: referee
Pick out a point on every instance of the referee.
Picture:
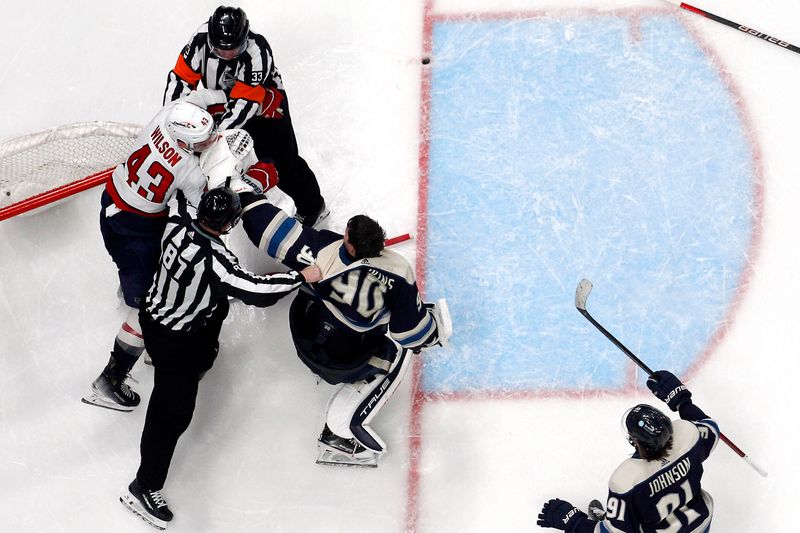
(225, 55)
(181, 318)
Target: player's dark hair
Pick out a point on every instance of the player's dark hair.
(366, 236)
(654, 455)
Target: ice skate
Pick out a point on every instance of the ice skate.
(338, 451)
(150, 505)
(112, 393)
(315, 220)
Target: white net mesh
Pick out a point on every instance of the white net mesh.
(42, 161)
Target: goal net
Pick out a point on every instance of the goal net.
(47, 166)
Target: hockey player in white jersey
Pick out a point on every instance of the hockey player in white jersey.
(165, 159)
(357, 327)
(658, 489)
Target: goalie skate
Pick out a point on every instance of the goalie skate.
(338, 451)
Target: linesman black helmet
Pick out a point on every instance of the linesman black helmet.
(227, 32)
(220, 209)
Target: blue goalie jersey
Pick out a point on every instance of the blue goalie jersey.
(664, 495)
(363, 294)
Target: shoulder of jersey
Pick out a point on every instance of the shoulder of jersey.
(393, 263)
(634, 471)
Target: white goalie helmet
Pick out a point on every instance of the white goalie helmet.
(190, 125)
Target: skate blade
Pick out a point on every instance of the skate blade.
(102, 401)
(136, 508)
(336, 458)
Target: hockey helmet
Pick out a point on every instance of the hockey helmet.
(191, 125)
(648, 427)
(219, 209)
(227, 32)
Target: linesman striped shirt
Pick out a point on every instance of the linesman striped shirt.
(243, 79)
(198, 272)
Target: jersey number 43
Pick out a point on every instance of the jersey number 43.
(155, 181)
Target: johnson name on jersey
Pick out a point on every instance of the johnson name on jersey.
(244, 79)
(362, 294)
(664, 495)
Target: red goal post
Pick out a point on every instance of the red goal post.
(44, 167)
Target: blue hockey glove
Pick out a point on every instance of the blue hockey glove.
(669, 389)
(559, 514)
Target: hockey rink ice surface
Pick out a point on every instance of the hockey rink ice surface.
(628, 142)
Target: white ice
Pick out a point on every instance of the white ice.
(247, 461)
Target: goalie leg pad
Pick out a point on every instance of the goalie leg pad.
(354, 405)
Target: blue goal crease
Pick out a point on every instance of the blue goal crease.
(562, 149)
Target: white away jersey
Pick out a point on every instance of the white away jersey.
(154, 171)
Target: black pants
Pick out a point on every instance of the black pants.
(134, 243)
(180, 360)
(332, 351)
(275, 140)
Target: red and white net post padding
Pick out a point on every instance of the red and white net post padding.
(44, 167)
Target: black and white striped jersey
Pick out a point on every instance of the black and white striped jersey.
(243, 79)
(197, 272)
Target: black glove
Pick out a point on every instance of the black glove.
(669, 389)
(562, 515)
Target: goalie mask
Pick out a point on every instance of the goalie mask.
(191, 126)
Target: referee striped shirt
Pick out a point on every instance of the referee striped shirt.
(197, 272)
(243, 79)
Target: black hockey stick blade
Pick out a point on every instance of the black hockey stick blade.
(582, 293)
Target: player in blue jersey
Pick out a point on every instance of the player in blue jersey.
(356, 327)
(658, 488)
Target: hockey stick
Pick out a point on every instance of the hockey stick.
(735, 25)
(581, 295)
(397, 240)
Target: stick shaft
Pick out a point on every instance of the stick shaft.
(616, 342)
(736, 26)
(738, 451)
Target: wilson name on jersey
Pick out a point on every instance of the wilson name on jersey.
(148, 179)
(243, 79)
(664, 496)
(362, 294)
